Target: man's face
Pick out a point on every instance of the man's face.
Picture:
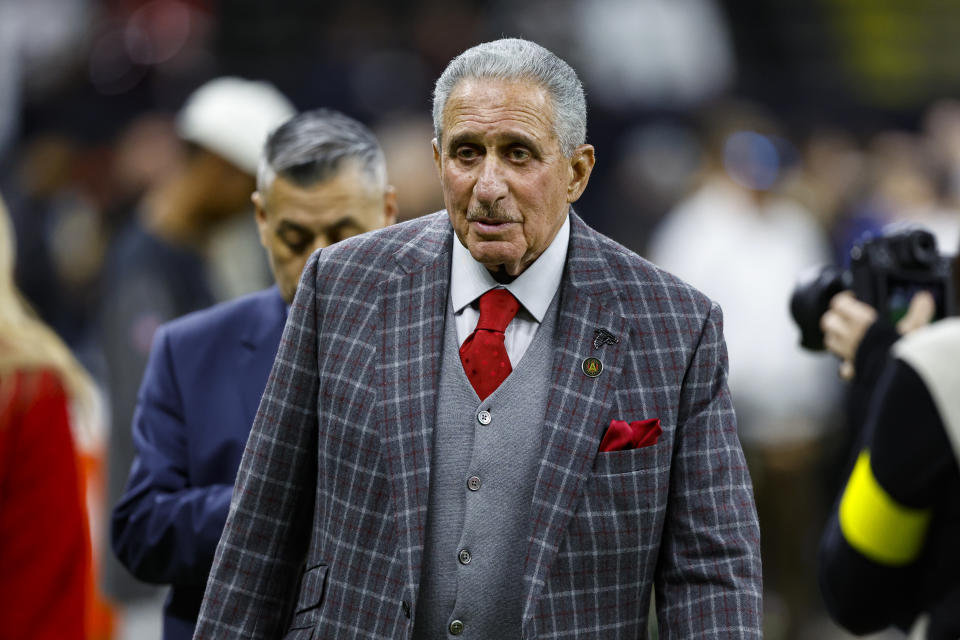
(219, 189)
(294, 221)
(506, 183)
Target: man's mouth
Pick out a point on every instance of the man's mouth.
(489, 224)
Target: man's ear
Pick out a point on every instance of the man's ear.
(260, 215)
(437, 160)
(390, 207)
(581, 166)
(258, 211)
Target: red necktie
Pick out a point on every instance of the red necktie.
(483, 355)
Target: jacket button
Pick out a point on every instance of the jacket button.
(456, 627)
(473, 483)
(484, 417)
(464, 556)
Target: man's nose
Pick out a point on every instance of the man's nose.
(490, 185)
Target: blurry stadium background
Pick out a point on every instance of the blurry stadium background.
(737, 142)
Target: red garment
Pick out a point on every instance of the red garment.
(621, 436)
(44, 538)
(483, 354)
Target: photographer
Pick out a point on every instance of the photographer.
(888, 554)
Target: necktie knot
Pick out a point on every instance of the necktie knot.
(497, 308)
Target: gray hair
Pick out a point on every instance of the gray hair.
(516, 59)
(313, 146)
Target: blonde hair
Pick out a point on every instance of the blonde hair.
(26, 343)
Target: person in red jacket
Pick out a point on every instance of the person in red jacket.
(44, 536)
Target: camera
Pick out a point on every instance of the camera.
(885, 272)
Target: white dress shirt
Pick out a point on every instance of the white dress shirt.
(534, 289)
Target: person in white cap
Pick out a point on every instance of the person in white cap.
(158, 267)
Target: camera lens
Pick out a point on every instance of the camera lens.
(923, 248)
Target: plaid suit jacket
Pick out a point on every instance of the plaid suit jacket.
(325, 533)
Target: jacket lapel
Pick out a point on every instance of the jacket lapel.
(579, 407)
(414, 306)
(259, 341)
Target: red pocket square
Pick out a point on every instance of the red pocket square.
(621, 436)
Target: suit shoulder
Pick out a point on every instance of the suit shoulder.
(374, 256)
(225, 318)
(383, 242)
(642, 281)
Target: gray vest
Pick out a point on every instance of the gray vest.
(481, 489)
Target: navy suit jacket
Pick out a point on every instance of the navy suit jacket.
(198, 399)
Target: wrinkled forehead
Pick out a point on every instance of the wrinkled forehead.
(494, 105)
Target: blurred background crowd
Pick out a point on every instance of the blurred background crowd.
(738, 143)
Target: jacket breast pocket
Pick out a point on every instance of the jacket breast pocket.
(312, 588)
(627, 484)
(629, 461)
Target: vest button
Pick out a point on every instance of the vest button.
(473, 483)
(464, 556)
(456, 627)
(484, 417)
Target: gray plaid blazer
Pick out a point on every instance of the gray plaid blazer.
(325, 533)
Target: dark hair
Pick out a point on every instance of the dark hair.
(313, 145)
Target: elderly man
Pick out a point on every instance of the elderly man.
(493, 422)
(322, 178)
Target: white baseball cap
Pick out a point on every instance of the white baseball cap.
(232, 117)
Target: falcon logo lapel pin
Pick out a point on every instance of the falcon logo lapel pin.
(602, 337)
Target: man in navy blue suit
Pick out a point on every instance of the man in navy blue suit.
(322, 178)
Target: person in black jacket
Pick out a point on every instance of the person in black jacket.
(886, 557)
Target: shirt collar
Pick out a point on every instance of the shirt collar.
(534, 288)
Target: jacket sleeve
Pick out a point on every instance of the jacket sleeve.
(163, 529)
(708, 577)
(258, 560)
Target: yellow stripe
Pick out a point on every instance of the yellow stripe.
(875, 524)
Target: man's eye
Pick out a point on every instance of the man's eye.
(296, 242)
(467, 153)
(343, 233)
(518, 154)
(296, 247)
